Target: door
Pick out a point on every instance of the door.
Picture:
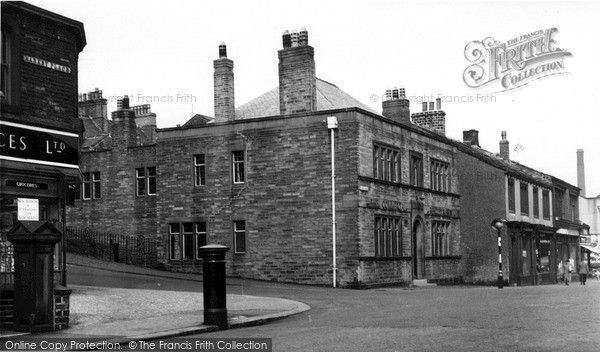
(418, 250)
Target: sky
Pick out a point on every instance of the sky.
(161, 53)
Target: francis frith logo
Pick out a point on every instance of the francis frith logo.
(515, 63)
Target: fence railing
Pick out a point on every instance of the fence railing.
(135, 250)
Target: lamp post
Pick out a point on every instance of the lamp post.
(498, 224)
(332, 125)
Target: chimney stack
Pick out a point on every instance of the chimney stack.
(433, 119)
(145, 119)
(504, 148)
(580, 172)
(471, 137)
(297, 77)
(124, 131)
(224, 87)
(93, 105)
(396, 106)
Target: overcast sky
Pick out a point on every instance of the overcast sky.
(161, 53)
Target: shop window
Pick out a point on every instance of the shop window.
(388, 237)
(440, 238)
(145, 181)
(238, 166)
(185, 240)
(416, 170)
(239, 236)
(199, 170)
(386, 163)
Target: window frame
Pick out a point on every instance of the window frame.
(145, 181)
(199, 170)
(183, 243)
(386, 163)
(238, 176)
(511, 195)
(239, 246)
(416, 169)
(440, 238)
(5, 66)
(439, 172)
(545, 204)
(96, 185)
(524, 198)
(86, 189)
(387, 236)
(536, 202)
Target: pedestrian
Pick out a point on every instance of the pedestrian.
(584, 270)
(568, 269)
(560, 271)
(597, 274)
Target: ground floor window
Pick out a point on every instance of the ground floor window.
(440, 238)
(185, 240)
(388, 236)
(239, 236)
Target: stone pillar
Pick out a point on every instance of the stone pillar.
(33, 243)
(215, 300)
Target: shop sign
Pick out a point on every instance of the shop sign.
(38, 145)
(28, 209)
(23, 184)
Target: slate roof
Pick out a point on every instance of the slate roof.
(197, 120)
(329, 97)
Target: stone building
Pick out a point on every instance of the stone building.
(258, 179)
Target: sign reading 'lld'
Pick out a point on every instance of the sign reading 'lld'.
(38, 145)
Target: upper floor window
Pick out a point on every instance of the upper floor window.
(524, 198)
(91, 185)
(559, 210)
(573, 204)
(536, 202)
(440, 177)
(440, 238)
(388, 237)
(145, 181)
(386, 163)
(511, 195)
(416, 170)
(199, 170)
(546, 204)
(238, 168)
(5, 84)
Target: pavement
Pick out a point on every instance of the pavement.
(122, 315)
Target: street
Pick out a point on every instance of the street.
(461, 318)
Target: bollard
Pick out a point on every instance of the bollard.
(215, 300)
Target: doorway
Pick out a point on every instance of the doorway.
(418, 252)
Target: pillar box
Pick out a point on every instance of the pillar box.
(215, 300)
(33, 243)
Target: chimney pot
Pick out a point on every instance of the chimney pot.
(294, 37)
(438, 103)
(424, 106)
(388, 94)
(126, 102)
(303, 37)
(395, 93)
(222, 50)
(402, 92)
(431, 106)
(287, 40)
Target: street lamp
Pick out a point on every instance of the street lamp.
(332, 125)
(498, 224)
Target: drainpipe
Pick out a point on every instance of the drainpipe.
(332, 125)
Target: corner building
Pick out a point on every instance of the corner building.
(257, 178)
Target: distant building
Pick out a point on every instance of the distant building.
(589, 214)
(258, 179)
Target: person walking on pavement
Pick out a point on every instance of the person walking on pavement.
(568, 269)
(584, 270)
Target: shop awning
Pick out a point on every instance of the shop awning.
(590, 248)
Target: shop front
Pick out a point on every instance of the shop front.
(38, 174)
(532, 254)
